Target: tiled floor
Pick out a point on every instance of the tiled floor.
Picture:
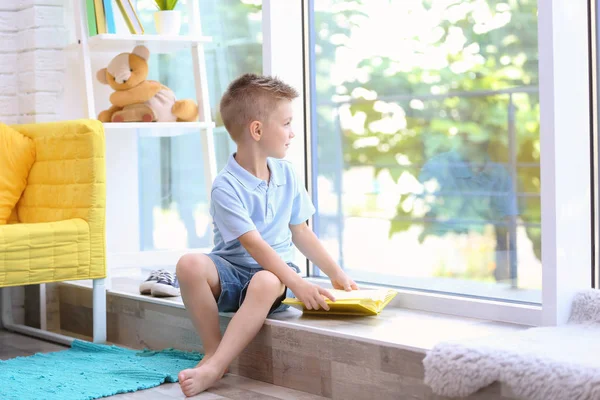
(231, 386)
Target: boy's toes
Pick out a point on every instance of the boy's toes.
(187, 389)
(183, 375)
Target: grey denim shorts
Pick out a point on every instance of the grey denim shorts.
(235, 279)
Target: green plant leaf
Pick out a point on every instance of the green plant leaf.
(166, 5)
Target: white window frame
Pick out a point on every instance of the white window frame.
(565, 157)
(567, 241)
(283, 56)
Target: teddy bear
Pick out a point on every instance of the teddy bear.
(136, 99)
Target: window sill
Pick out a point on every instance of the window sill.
(396, 326)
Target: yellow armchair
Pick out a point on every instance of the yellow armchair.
(59, 232)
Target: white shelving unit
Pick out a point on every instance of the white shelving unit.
(162, 129)
(122, 182)
(157, 44)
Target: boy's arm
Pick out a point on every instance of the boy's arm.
(307, 242)
(311, 295)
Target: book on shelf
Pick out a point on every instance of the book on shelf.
(131, 18)
(356, 302)
(110, 16)
(101, 17)
(90, 13)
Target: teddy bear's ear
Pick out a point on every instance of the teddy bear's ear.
(142, 51)
(101, 76)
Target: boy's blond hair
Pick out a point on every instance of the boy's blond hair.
(250, 98)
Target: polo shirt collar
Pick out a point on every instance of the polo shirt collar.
(249, 181)
(277, 175)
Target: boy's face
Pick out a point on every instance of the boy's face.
(278, 133)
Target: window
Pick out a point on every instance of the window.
(173, 204)
(426, 143)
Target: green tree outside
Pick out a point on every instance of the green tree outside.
(490, 75)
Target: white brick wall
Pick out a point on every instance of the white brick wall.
(32, 69)
(32, 60)
(8, 62)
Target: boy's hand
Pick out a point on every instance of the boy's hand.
(312, 295)
(343, 282)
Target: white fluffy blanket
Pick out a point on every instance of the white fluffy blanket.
(550, 363)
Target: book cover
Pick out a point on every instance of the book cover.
(356, 302)
(110, 17)
(91, 18)
(130, 17)
(121, 26)
(100, 18)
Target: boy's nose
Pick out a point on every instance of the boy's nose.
(292, 135)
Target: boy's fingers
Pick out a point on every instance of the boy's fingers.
(326, 293)
(308, 305)
(323, 303)
(315, 303)
(348, 287)
(354, 286)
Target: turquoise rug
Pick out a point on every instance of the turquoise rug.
(89, 371)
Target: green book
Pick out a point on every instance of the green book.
(91, 18)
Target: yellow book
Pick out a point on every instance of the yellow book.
(100, 17)
(130, 16)
(356, 302)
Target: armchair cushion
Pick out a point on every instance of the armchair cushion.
(14, 218)
(45, 252)
(17, 155)
(60, 230)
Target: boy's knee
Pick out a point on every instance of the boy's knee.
(190, 265)
(265, 283)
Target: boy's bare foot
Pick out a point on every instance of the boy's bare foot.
(197, 380)
(205, 360)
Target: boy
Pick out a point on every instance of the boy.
(259, 207)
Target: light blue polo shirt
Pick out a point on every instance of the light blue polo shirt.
(241, 202)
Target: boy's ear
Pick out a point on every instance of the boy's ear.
(256, 130)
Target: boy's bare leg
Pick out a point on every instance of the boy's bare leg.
(263, 290)
(200, 287)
